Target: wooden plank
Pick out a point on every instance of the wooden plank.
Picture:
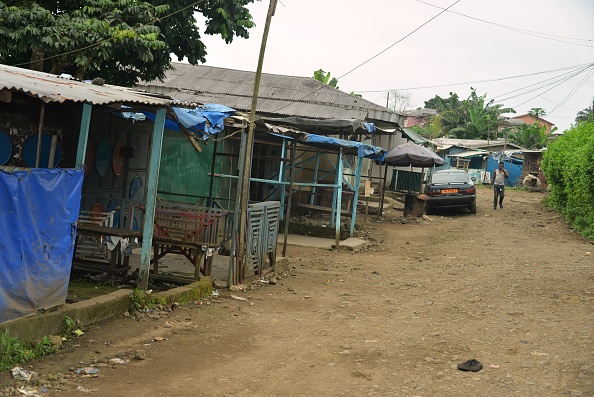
(319, 208)
(151, 198)
(83, 135)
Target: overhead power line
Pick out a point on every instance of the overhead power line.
(565, 79)
(519, 30)
(540, 96)
(477, 81)
(399, 41)
(543, 83)
(375, 56)
(575, 89)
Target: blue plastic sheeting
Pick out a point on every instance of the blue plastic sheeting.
(39, 209)
(326, 142)
(370, 127)
(195, 120)
(514, 166)
(363, 150)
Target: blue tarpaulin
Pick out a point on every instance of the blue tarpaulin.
(39, 210)
(195, 120)
(359, 149)
(363, 150)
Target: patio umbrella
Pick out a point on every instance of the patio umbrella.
(411, 154)
(408, 154)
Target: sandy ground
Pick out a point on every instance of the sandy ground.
(511, 288)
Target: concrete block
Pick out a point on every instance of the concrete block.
(281, 264)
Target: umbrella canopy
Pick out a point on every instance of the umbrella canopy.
(411, 154)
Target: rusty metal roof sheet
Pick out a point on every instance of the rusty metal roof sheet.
(278, 94)
(51, 88)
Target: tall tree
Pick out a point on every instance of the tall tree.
(586, 114)
(472, 118)
(452, 111)
(529, 136)
(483, 118)
(537, 113)
(121, 41)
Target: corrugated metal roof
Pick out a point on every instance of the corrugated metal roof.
(470, 153)
(421, 112)
(51, 88)
(416, 138)
(278, 94)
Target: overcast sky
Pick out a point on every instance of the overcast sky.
(339, 35)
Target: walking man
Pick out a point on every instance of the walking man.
(498, 182)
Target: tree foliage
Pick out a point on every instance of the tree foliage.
(568, 165)
(451, 111)
(324, 77)
(529, 136)
(121, 41)
(472, 118)
(431, 129)
(585, 115)
(537, 113)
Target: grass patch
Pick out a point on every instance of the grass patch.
(15, 351)
(79, 290)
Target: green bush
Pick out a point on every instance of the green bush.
(568, 165)
(16, 351)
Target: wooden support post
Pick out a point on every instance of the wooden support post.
(281, 177)
(40, 134)
(245, 178)
(52, 153)
(313, 188)
(356, 196)
(234, 260)
(337, 181)
(292, 178)
(83, 137)
(212, 172)
(151, 199)
(380, 209)
(338, 190)
(199, 254)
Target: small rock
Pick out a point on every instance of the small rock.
(126, 314)
(56, 340)
(139, 354)
(272, 281)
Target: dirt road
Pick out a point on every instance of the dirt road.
(511, 288)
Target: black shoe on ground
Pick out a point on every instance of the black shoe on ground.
(500, 205)
(494, 207)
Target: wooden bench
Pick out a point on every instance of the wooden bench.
(91, 252)
(192, 231)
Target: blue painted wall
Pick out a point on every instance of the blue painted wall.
(514, 167)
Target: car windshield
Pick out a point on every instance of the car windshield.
(448, 177)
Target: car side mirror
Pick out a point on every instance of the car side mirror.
(473, 178)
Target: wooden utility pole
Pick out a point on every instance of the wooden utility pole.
(245, 177)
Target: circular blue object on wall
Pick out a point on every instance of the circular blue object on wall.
(103, 157)
(30, 151)
(135, 185)
(5, 147)
(116, 217)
